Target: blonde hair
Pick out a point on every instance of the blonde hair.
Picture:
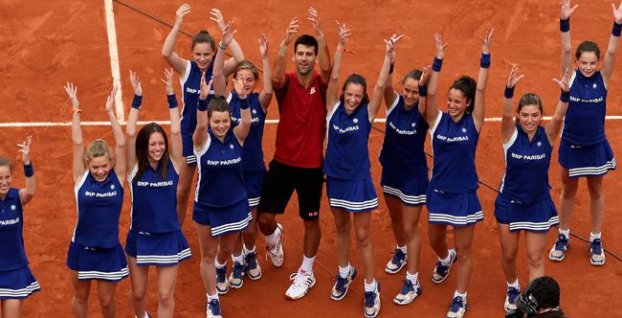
(97, 148)
(6, 162)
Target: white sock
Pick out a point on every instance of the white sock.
(463, 295)
(247, 251)
(447, 260)
(565, 233)
(370, 287)
(344, 272)
(218, 265)
(307, 264)
(514, 284)
(594, 236)
(237, 259)
(212, 297)
(413, 278)
(404, 249)
(273, 238)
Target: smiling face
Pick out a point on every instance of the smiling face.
(202, 54)
(304, 56)
(155, 147)
(529, 118)
(352, 96)
(410, 91)
(587, 63)
(5, 180)
(457, 103)
(219, 123)
(99, 167)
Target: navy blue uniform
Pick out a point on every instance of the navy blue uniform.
(404, 166)
(349, 185)
(16, 279)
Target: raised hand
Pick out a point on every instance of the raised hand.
(72, 92)
(390, 45)
(440, 46)
(315, 20)
(205, 87)
(564, 81)
(617, 13)
(425, 76)
(216, 16)
(181, 13)
(227, 33)
(486, 39)
(110, 99)
(24, 148)
(344, 33)
(291, 31)
(514, 78)
(239, 88)
(138, 90)
(168, 81)
(566, 10)
(263, 45)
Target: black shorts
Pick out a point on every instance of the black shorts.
(280, 183)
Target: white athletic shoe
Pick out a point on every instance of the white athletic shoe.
(302, 281)
(275, 253)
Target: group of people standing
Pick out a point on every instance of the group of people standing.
(219, 135)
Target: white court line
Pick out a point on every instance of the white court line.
(114, 58)
(167, 122)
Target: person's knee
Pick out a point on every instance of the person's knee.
(166, 298)
(106, 301)
(81, 299)
(595, 187)
(535, 260)
(569, 187)
(508, 255)
(138, 295)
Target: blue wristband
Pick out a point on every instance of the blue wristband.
(202, 106)
(564, 97)
(29, 171)
(137, 101)
(484, 61)
(617, 29)
(244, 104)
(564, 25)
(437, 65)
(423, 91)
(172, 101)
(509, 92)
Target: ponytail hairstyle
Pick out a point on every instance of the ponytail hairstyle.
(529, 99)
(97, 148)
(467, 86)
(142, 150)
(587, 46)
(356, 79)
(414, 74)
(203, 37)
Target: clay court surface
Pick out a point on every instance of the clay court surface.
(46, 43)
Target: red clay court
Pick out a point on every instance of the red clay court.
(47, 43)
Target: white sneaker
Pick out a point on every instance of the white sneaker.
(372, 303)
(302, 281)
(275, 253)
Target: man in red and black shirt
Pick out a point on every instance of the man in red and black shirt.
(297, 163)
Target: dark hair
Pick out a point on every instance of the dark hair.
(529, 99)
(546, 290)
(587, 46)
(358, 80)
(246, 65)
(467, 86)
(6, 162)
(414, 74)
(203, 37)
(306, 40)
(217, 104)
(142, 150)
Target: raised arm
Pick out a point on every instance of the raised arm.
(566, 11)
(76, 132)
(479, 104)
(120, 161)
(26, 194)
(278, 77)
(130, 128)
(507, 120)
(220, 86)
(175, 61)
(553, 127)
(236, 50)
(613, 42)
(431, 111)
(389, 91)
(379, 89)
(323, 55)
(436, 71)
(333, 82)
(199, 137)
(176, 147)
(266, 93)
(241, 131)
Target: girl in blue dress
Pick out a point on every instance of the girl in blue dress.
(524, 202)
(584, 150)
(155, 236)
(95, 252)
(350, 189)
(16, 280)
(451, 197)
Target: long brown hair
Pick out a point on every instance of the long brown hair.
(142, 150)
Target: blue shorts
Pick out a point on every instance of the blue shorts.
(456, 209)
(538, 216)
(253, 182)
(409, 189)
(222, 220)
(97, 263)
(586, 161)
(351, 195)
(160, 249)
(18, 283)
